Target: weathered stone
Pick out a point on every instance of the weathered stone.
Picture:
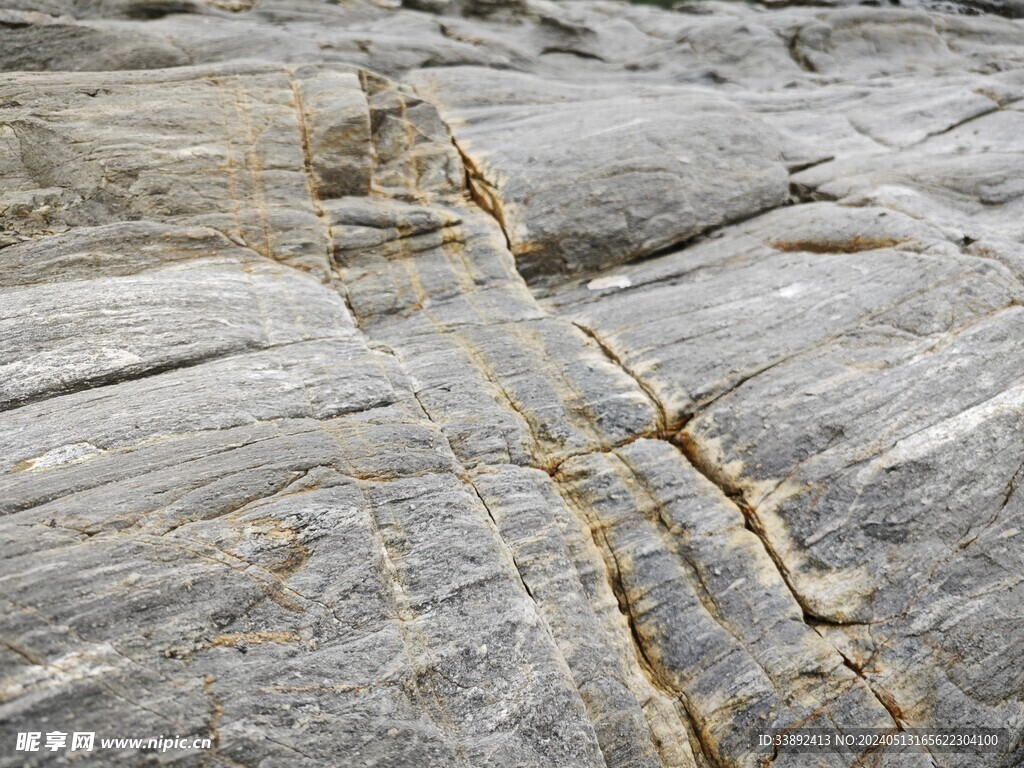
(487, 383)
(636, 172)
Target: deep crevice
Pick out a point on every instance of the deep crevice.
(484, 199)
(793, 47)
(571, 52)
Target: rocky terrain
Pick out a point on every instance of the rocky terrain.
(510, 383)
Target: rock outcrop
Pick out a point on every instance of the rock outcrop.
(523, 383)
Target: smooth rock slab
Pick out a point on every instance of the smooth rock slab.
(582, 177)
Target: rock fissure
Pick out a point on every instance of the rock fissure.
(663, 423)
(123, 376)
(481, 192)
(647, 665)
(673, 536)
(999, 106)
(690, 449)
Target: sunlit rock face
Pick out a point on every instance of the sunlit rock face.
(510, 383)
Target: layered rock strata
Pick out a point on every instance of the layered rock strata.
(510, 383)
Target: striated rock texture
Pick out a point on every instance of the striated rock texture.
(510, 383)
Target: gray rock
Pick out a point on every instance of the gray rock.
(636, 172)
(509, 383)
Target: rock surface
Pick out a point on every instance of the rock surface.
(510, 383)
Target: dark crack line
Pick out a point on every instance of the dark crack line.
(689, 448)
(468, 481)
(984, 113)
(1011, 490)
(645, 388)
(691, 451)
(482, 192)
(647, 665)
(130, 374)
(793, 47)
(675, 544)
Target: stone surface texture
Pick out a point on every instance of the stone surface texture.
(510, 383)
